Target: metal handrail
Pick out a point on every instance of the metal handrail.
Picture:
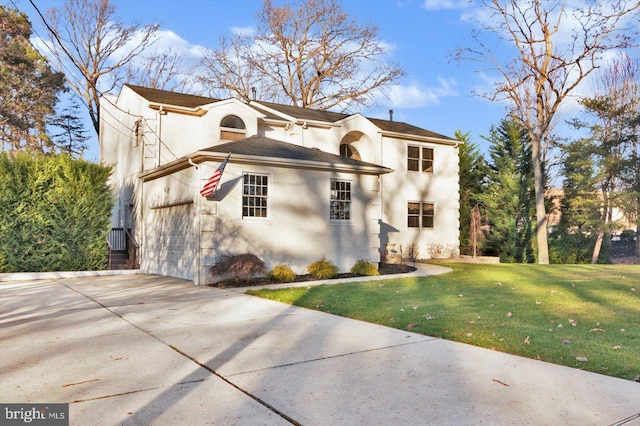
(133, 240)
(109, 252)
(122, 239)
(132, 247)
(117, 239)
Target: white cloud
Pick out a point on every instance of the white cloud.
(170, 41)
(445, 4)
(415, 95)
(243, 31)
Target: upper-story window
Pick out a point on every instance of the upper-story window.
(232, 128)
(420, 159)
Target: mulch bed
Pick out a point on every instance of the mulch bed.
(385, 269)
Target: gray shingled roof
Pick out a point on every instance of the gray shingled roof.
(409, 129)
(171, 98)
(261, 146)
(192, 101)
(303, 113)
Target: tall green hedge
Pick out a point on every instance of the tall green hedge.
(54, 213)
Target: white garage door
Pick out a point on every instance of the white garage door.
(171, 241)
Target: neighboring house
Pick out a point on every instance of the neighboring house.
(300, 184)
(618, 218)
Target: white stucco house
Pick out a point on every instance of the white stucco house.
(300, 184)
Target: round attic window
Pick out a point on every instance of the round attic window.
(347, 150)
(232, 122)
(232, 128)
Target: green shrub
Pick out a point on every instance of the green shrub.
(575, 248)
(238, 266)
(627, 235)
(322, 269)
(364, 268)
(282, 273)
(55, 213)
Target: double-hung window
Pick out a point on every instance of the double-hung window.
(420, 215)
(419, 159)
(255, 195)
(340, 202)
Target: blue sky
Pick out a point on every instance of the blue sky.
(422, 35)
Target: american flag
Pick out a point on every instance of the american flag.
(210, 187)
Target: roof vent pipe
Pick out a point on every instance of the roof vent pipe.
(390, 115)
(253, 92)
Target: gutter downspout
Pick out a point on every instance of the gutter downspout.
(381, 195)
(161, 112)
(141, 215)
(198, 278)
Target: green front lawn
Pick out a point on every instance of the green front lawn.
(583, 316)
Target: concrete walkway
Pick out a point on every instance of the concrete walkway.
(140, 349)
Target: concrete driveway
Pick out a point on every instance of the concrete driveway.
(140, 349)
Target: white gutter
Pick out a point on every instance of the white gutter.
(202, 156)
(408, 136)
(176, 108)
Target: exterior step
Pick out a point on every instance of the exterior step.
(120, 260)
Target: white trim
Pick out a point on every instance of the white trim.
(257, 219)
(258, 105)
(418, 138)
(204, 156)
(341, 221)
(420, 228)
(420, 160)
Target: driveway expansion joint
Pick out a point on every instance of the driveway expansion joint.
(189, 357)
(250, 395)
(306, 361)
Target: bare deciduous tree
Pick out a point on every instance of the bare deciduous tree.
(556, 49)
(93, 47)
(311, 54)
(161, 70)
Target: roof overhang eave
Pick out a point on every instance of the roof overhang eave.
(407, 136)
(176, 108)
(301, 122)
(205, 156)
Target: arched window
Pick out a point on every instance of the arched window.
(232, 128)
(347, 150)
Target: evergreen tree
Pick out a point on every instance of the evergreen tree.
(509, 198)
(574, 238)
(602, 170)
(71, 136)
(29, 88)
(596, 167)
